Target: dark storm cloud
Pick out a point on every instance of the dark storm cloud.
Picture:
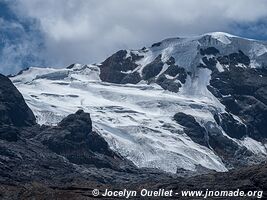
(87, 31)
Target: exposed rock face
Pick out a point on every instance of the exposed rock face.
(133, 78)
(14, 112)
(234, 59)
(153, 69)
(192, 128)
(211, 136)
(230, 125)
(241, 89)
(114, 68)
(209, 51)
(233, 155)
(209, 63)
(13, 109)
(74, 139)
(168, 84)
(122, 68)
(173, 77)
(243, 92)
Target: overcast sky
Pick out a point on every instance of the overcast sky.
(61, 32)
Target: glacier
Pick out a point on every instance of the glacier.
(137, 119)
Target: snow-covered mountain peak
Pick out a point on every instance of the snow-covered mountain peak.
(224, 38)
(180, 103)
(218, 33)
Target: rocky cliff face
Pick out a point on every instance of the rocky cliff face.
(74, 139)
(13, 109)
(14, 112)
(242, 91)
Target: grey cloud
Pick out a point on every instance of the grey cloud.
(87, 31)
(17, 47)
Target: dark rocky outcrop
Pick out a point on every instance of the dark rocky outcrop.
(261, 94)
(230, 152)
(174, 70)
(211, 136)
(234, 58)
(231, 126)
(70, 66)
(14, 112)
(74, 139)
(210, 63)
(239, 81)
(13, 109)
(113, 68)
(121, 68)
(173, 77)
(192, 128)
(152, 69)
(168, 84)
(156, 44)
(133, 78)
(209, 51)
(243, 92)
